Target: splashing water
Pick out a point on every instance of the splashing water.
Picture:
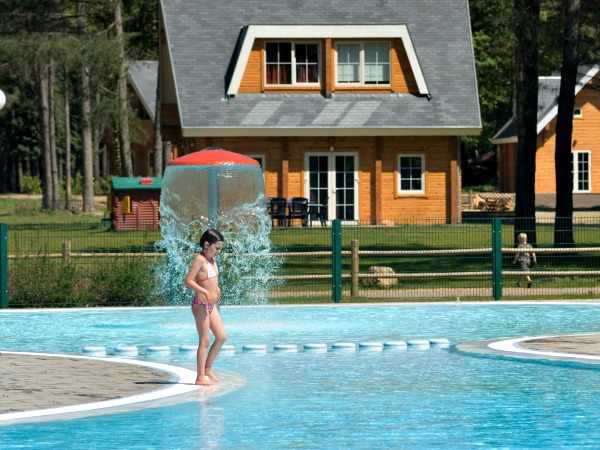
(230, 198)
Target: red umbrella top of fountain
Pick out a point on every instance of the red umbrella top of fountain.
(213, 156)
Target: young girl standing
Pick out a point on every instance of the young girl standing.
(203, 279)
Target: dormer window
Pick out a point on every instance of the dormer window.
(292, 63)
(363, 63)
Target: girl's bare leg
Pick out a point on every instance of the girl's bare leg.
(216, 326)
(203, 326)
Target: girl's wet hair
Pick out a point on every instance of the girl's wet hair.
(211, 236)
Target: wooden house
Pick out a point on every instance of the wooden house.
(134, 203)
(586, 138)
(354, 105)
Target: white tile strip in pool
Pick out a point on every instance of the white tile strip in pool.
(512, 346)
(183, 380)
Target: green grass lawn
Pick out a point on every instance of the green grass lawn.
(28, 210)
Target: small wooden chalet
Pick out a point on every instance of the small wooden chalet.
(586, 138)
(134, 203)
(355, 105)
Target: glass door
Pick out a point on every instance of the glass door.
(332, 185)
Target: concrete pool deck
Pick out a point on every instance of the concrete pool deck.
(579, 348)
(30, 382)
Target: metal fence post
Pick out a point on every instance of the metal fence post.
(497, 258)
(336, 261)
(354, 246)
(3, 266)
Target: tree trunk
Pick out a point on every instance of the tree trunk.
(68, 193)
(526, 101)
(167, 153)
(96, 144)
(158, 144)
(86, 126)
(124, 144)
(86, 137)
(52, 136)
(44, 136)
(563, 223)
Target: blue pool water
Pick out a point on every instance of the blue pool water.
(431, 398)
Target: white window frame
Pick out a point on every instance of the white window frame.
(293, 63)
(578, 112)
(361, 72)
(399, 189)
(575, 169)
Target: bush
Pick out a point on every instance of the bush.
(105, 282)
(124, 282)
(41, 282)
(103, 186)
(32, 185)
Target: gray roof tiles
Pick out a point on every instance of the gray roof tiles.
(143, 76)
(203, 34)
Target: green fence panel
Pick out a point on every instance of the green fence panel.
(3, 265)
(336, 261)
(90, 264)
(496, 258)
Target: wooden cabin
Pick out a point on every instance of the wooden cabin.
(357, 107)
(134, 203)
(585, 145)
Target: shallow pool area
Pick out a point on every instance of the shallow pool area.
(390, 398)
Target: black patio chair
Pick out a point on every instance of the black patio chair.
(298, 207)
(278, 210)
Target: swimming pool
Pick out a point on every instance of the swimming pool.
(410, 398)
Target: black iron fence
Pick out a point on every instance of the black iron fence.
(68, 265)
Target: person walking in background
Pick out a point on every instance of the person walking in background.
(525, 256)
(203, 279)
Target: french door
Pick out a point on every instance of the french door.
(331, 180)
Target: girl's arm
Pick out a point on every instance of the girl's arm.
(190, 279)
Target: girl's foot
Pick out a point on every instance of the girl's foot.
(211, 375)
(203, 382)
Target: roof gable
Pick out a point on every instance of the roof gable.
(548, 90)
(254, 32)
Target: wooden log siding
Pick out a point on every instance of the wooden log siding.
(402, 78)
(284, 171)
(144, 212)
